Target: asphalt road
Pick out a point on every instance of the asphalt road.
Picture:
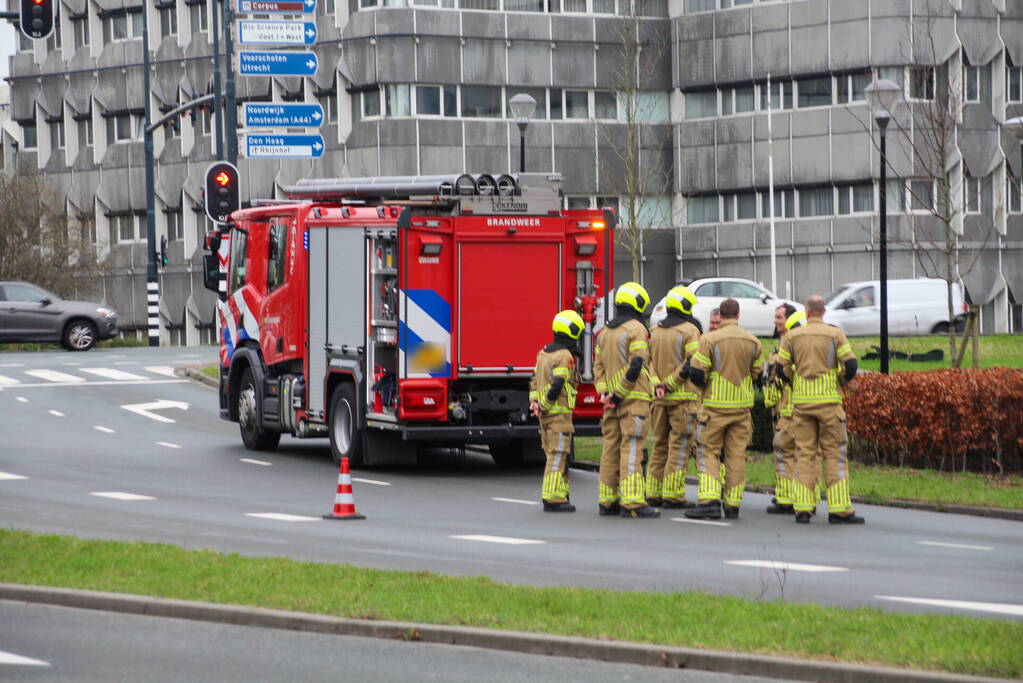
(71, 440)
(44, 643)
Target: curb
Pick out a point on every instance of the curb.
(509, 641)
(192, 373)
(995, 513)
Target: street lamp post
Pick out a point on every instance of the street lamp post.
(882, 96)
(522, 108)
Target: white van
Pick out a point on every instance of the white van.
(914, 307)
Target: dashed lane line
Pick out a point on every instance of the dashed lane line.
(994, 607)
(120, 495)
(7, 476)
(514, 500)
(374, 482)
(101, 383)
(706, 522)
(112, 373)
(18, 660)
(167, 444)
(105, 430)
(504, 540)
(21, 399)
(264, 463)
(961, 546)
(12, 365)
(55, 376)
(281, 517)
(786, 566)
(55, 413)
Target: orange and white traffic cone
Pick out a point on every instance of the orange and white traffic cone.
(344, 501)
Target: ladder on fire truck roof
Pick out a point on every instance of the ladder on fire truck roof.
(437, 189)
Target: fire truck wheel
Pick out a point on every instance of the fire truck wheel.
(507, 454)
(254, 437)
(345, 434)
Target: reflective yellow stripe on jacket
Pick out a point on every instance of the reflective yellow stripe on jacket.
(724, 394)
(567, 391)
(824, 389)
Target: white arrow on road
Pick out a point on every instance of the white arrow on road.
(160, 404)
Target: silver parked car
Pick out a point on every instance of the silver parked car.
(31, 314)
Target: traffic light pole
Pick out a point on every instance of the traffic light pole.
(230, 104)
(218, 109)
(152, 281)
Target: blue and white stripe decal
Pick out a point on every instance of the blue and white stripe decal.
(424, 334)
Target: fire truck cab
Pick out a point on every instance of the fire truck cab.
(391, 313)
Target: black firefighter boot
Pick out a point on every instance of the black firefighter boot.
(611, 510)
(645, 512)
(548, 506)
(845, 519)
(709, 510)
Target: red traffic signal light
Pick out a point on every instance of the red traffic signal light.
(222, 198)
(37, 18)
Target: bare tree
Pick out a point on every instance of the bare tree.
(639, 145)
(39, 242)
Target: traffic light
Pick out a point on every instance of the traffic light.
(163, 251)
(37, 18)
(221, 191)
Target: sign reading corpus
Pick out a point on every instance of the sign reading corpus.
(277, 63)
(283, 146)
(277, 6)
(276, 32)
(264, 115)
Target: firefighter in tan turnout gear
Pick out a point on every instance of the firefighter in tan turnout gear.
(813, 358)
(673, 415)
(725, 365)
(622, 378)
(552, 399)
(778, 397)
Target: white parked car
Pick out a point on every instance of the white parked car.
(914, 307)
(756, 303)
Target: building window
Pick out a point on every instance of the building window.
(738, 100)
(653, 107)
(53, 42)
(576, 203)
(784, 204)
(328, 100)
(921, 82)
(971, 83)
(921, 195)
(739, 207)
(850, 88)
(122, 228)
(818, 201)
(701, 104)
(198, 17)
(85, 130)
(702, 209)
(1014, 193)
(124, 26)
(371, 103)
(168, 21)
(577, 104)
(856, 198)
(608, 203)
(119, 128)
(814, 92)
(538, 94)
(700, 5)
(175, 227)
(481, 101)
(781, 95)
(1014, 83)
(24, 42)
(971, 194)
(398, 99)
(895, 196)
(80, 28)
(605, 105)
(29, 139)
(57, 134)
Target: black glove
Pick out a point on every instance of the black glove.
(635, 365)
(685, 372)
(555, 390)
(850, 369)
(697, 377)
(616, 399)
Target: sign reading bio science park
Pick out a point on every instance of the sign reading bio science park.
(276, 32)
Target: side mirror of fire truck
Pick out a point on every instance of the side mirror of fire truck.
(211, 272)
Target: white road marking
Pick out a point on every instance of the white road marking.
(514, 500)
(144, 409)
(102, 383)
(126, 362)
(708, 522)
(8, 380)
(111, 373)
(786, 566)
(264, 463)
(73, 363)
(188, 355)
(56, 413)
(10, 477)
(18, 660)
(281, 517)
(963, 546)
(54, 376)
(116, 355)
(167, 444)
(996, 607)
(165, 370)
(105, 430)
(21, 399)
(120, 495)
(506, 540)
(375, 482)
(12, 365)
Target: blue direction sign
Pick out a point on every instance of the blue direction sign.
(277, 63)
(276, 32)
(277, 6)
(283, 146)
(267, 115)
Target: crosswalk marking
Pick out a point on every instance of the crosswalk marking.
(54, 376)
(120, 495)
(786, 566)
(505, 540)
(8, 380)
(161, 370)
(995, 607)
(281, 517)
(18, 660)
(11, 477)
(111, 373)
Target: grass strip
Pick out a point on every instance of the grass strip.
(691, 619)
(881, 484)
(995, 350)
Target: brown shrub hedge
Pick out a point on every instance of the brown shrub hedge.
(948, 419)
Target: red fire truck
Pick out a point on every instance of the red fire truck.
(391, 313)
